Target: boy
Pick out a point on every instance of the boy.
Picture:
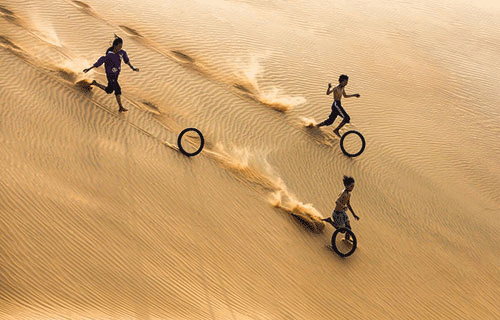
(339, 217)
(337, 109)
(112, 64)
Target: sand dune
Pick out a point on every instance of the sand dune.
(102, 217)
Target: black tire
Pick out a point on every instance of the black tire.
(179, 142)
(334, 243)
(363, 143)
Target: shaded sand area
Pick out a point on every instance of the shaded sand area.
(101, 217)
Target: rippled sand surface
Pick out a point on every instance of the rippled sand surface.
(101, 216)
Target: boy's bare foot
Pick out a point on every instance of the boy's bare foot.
(336, 132)
(348, 239)
(122, 109)
(329, 220)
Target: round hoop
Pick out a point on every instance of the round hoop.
(179, 142)
(363, 143)
(352, 244)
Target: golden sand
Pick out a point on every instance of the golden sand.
(101, 217)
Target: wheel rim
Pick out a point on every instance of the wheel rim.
(342, 140)
(341, 247)
(179, 142)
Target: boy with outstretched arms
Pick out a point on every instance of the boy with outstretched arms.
(112, 64)
(339, 218)
(337, 109)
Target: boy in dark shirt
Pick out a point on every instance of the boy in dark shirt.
(112, 64)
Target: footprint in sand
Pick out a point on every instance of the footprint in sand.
(87, 9)
(174, 54)
(144, 105)
(7, 43)
(13, 48)
(242, 88)
(189, 62)
(183, 57)
(130, 31)
(11, 16)
(6, 12)
(246, 92)
(81, 4)
(152, 107)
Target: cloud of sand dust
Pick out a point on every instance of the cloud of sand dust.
(279, 101)
(246, 165)
(76, 65)
(308, 122)
(305, 212)
(45, 30)
(248, 78)
(253, 167)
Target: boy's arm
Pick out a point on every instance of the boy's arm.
(127, 61)
(352, 211)
(349, 95)
(330, 89)
(132, 67)
(99, 62)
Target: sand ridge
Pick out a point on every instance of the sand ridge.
(100, 219)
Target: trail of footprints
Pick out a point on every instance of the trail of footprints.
(84, 85)
(246, 91)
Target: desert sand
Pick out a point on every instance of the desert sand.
(101, 216)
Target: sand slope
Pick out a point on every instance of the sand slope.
(102, 217)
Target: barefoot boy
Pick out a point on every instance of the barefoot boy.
(112, 63)
(337, 109)
(339, 217)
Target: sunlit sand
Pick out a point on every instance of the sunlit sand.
(102, 217)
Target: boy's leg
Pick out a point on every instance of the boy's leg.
(97, 84)
(344, 115)
(329, 121)
(118, 93)
(347, 235)
(329, 220)
(119, 100)
(336, 131)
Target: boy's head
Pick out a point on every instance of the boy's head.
(349, 183)
(343, 80)
(117, 43)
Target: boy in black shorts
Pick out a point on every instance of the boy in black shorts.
(337, 109)
(112, 64)
(339, 218)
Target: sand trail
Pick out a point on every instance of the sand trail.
(100, 219)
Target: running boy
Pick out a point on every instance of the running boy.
(337, 109)
(339, 217)
(112, 64)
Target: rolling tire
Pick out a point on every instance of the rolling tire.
(363, 143)
(179, 142)
(334, 242)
